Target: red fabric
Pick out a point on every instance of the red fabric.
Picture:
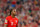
(36, 9)
(12, 22)
(13, 2)
(4, 0)
(25, 17)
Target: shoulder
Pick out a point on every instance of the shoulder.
(8, 17)
(16, 18)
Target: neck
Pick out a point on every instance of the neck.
(13, 16)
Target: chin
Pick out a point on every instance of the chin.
(14, 15)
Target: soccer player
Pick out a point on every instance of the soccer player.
(11, 21)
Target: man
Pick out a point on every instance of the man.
(11, 21)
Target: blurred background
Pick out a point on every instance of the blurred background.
(28, 12)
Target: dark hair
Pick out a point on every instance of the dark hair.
(11, 11)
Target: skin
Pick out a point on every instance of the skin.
(13, 14)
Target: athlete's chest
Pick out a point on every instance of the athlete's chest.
(13, 21)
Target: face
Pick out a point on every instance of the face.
(14, 12)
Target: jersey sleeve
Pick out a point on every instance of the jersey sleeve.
(6, 20)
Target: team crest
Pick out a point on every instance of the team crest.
(5, 21)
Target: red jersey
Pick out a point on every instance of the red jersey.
(12, 22)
